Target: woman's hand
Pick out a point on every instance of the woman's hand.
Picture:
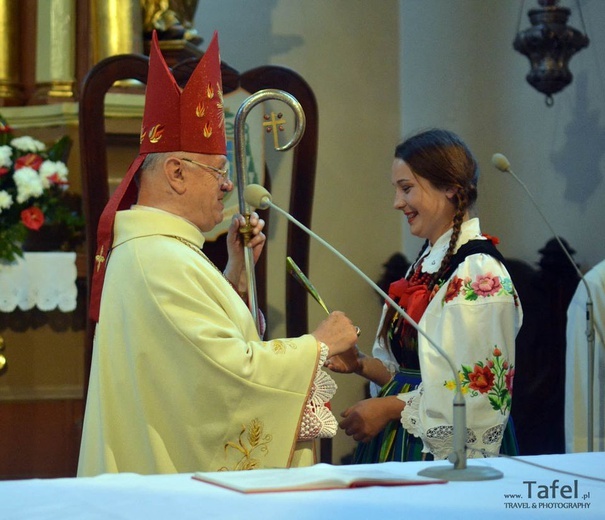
(348, 362)
(354, 361)
(366, 419)
(235, 271)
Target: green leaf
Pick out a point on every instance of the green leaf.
(495, 403)
(471, 296)
(5, 137)
(60, 150)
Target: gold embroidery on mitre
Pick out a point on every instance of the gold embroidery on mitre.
(209, 91)
(156, 132)
(200, 110)
(142, 135)
(219, 106)
(251, 439)
(207, 130)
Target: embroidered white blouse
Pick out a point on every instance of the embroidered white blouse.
(474, 317)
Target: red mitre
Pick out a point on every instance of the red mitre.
(188, 121)
(191, 120)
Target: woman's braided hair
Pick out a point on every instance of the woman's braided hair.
(443, 159)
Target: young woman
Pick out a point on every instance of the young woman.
(462, 297)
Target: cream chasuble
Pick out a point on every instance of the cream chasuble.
(180, 379)
(576, 368)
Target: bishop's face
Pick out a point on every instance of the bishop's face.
(207, 185)
(429, 210)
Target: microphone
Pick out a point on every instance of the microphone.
(258, 197)
(503, 164)
(500, 162)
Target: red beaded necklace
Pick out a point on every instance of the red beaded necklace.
(420, 278)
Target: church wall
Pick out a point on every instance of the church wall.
(459, 70)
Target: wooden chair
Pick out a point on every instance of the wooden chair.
(93, 147)
(539, 390)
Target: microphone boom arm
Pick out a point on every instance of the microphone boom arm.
(502, 164)
(458, 457)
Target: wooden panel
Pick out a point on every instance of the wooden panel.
(40, 439)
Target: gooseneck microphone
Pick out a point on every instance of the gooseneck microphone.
(258, 197)
(502, 164)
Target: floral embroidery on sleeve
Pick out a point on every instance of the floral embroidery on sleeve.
(453, 289)
(494, 378)
(483, 286)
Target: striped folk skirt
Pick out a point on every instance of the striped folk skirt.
(394, 443)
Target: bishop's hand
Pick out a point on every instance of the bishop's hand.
(235, 271)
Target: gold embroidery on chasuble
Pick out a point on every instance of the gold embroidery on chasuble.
(279, 346)
(99, 259)
(251, 443)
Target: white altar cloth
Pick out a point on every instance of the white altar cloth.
(525, 491)
(43, 280)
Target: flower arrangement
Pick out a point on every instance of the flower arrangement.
(34, 192)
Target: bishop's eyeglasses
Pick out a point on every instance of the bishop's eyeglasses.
(222, 176)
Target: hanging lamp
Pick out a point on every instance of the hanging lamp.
(549, 44)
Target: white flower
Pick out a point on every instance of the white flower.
(6, 153)
(28, 144)
(50, 168)
(6, 201)
(28, 184)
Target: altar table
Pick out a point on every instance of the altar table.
(525, 491)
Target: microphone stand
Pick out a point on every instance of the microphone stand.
(460, 471)
(502, 164)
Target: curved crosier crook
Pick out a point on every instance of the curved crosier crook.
(240, 161)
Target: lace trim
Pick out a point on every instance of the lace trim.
(411, 412)
(318, 421)
(43, 280)
(493, 435)
(432, 260)
(435, 254)
(439, 440)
